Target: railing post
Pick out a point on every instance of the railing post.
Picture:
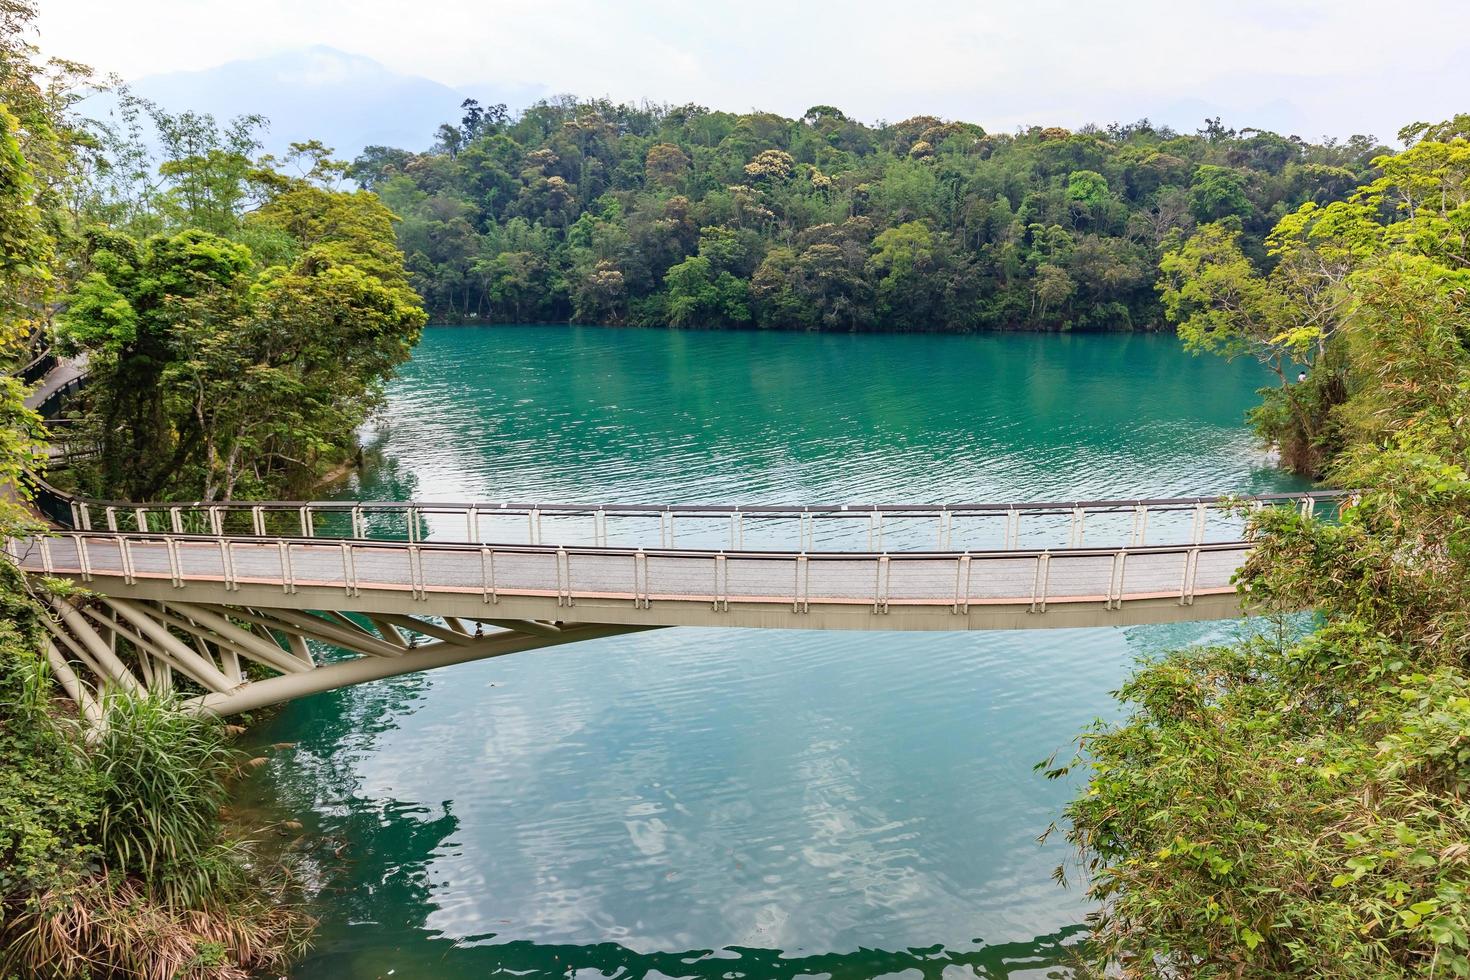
(125, 554)
(140, 514)
(1040, 582)
(1115, 583)
(721, 593)
(358, 529)
(172, 544)
(563, 584)
(487, 575)
(1200, 516)
(641, 597)
(1013, 529)
(1187, 581)
(47, 565)
(882, 580)
(533, 524)
(83, 558)
(472, 524)
(308, 525)
(111, 513)
(962, 584)
(288, 571)
(349, 570)
(416, 571)
(801, 590)
(1140, 526)
(257, 520)
(1078, 527)
(227, 565)
(176, 520)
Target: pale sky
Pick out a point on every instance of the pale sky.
(1311, 67)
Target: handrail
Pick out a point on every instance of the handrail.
(629, 552)
(38, 368)
(488, 507)
(941, 525)
(1027, 577)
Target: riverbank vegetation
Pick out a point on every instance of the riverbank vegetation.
(1295, 805)
(117, 858)
(238, 320)
(597, 212)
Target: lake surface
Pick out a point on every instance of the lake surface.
(727, 803)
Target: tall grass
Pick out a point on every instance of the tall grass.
(106, 926)
(164, 778)
(160, 889)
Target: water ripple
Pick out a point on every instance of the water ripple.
(600, 805)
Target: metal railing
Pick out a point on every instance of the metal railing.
(43, 364)
(1029, 577)
(811, 529)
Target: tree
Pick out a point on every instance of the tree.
(1088, 188)
(1051, 289)
(775, 166)
(998, 207)
(666, 165)
(236, 361)
(1216, 193)
(25, 257)
(905, 261)
(1293, 805)
(701, 296)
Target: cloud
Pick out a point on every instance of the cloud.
(1334, 64)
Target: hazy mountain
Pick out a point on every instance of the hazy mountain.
(345, 100)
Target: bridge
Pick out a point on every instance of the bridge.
(233, 597)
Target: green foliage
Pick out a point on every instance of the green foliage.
(26, 252)
(1271, 811)
(1325, 271)
(48, 793)
(582, 209)
(212, 375)
(113, 857)
(1298, 808)
(1216, 193)
(163, 776)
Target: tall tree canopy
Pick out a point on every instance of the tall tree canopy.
(235, 352)
(594, 204)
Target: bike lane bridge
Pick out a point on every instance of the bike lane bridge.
(230, 595)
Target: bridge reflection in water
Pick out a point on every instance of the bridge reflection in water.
(202, 590)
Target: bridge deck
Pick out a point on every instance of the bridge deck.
(906, 590)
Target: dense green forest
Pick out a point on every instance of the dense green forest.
(1294, 805)
(595, 212)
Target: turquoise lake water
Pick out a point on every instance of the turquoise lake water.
(727, 803)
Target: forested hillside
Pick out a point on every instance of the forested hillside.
(659, 215)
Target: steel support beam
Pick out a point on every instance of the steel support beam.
(288, 687)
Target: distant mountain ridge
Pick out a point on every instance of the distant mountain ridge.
(347, 101)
